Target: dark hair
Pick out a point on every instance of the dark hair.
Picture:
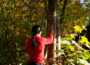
(35, 30)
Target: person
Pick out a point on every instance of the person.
(35, 46)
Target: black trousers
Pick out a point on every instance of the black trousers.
(33, 63)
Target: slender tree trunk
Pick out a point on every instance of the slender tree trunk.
(55, 39)
(88, 32)
(7, 42)
(58, 25)
(63, 11)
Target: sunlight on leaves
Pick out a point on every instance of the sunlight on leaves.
(85, 40)
(71, 48)
(83, 27)
(72, 36)
(77, 28)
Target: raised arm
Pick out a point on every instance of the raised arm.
(48, 40)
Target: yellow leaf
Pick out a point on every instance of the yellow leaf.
(71, 48)
(72, 36)
(67, 38)
(85, 40)
(74, 53)
(83, 27)
(77, 28)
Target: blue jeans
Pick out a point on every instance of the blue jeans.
(33, 63)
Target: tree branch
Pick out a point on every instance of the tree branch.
(63, 11)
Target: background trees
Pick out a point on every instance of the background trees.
(18, 16)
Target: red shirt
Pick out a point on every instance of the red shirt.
(37, 54)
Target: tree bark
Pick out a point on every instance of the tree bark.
(58, 26)
(50, 21)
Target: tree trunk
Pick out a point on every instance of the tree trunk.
(50, 21)
(58, 26)
(88, 32)
(63, 11)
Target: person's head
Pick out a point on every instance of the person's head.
(36, 29)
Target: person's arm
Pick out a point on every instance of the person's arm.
(48, 40)
(28, 46)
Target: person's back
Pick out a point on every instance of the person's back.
(36, 54)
